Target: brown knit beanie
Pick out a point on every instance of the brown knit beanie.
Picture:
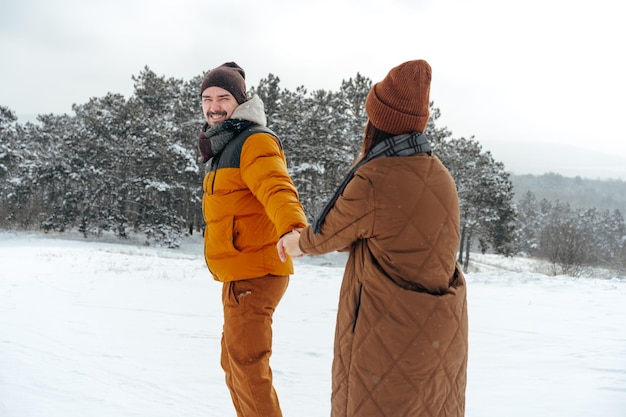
(399, 103)
(229, 76)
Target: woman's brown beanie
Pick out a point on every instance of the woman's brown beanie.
(229, 76)
(399, 103)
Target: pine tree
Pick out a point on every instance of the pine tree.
(485, 196)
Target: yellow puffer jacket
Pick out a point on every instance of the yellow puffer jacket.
(249, 202)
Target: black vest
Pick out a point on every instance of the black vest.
(231, 155)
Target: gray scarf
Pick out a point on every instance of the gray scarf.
(401, 145)
(213, 140)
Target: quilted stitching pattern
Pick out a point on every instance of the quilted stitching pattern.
(401, 337)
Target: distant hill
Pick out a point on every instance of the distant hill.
(571, 161)
(578, 192)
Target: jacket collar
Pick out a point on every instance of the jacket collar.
(252, 110)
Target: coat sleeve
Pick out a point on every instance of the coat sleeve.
(264, 170)
(350, 219)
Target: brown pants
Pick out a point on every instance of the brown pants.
(247, 343)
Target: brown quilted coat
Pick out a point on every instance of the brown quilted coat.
(401, 338)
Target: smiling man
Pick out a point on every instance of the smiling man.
(249, 202)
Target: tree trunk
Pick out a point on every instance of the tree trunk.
(461, 242)
(467, 251)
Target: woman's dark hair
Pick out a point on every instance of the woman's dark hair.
(372, 137)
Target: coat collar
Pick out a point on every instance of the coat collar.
(252, 110)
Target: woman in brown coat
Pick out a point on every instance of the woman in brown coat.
(401, 338)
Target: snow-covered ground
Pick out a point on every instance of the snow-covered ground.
(105, 329)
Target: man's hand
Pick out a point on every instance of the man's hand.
(289, 245)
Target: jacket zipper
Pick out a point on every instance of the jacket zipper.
(214, 163)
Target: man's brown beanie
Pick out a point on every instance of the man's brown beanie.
(229, 76)
(399, 103)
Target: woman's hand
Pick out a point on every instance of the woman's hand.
(289, 244)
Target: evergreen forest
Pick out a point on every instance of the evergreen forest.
(130, 166)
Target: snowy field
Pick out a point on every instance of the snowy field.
(95, 329)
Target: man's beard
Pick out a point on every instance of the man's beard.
(219, 114)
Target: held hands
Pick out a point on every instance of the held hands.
(289, 245)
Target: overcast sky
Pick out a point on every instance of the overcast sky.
(535, 81)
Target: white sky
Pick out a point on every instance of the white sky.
(538, 72)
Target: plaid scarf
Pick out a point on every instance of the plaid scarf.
(401, 145)
(213, 140)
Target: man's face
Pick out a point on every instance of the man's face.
(217, 105)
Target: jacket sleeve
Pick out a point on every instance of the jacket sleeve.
(264, 170)
(350, 219)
